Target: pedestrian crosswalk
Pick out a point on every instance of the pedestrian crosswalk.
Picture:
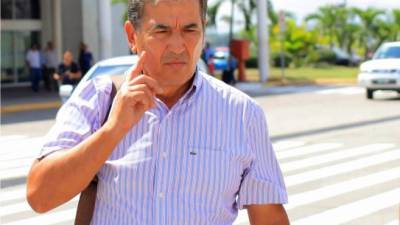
(327, 182)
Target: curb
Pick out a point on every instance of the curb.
(30, 107)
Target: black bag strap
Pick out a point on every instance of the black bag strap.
(87, 199)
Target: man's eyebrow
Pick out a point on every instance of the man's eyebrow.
(160, 26)
(191, 26)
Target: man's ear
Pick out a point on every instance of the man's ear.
(131, 36)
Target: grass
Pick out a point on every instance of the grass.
(330, 74)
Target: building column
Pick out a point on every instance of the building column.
(105, 28)
(57, 29)
(263, 40)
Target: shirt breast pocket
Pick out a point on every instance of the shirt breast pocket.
(212, 174)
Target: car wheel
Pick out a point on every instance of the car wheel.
(370, 93)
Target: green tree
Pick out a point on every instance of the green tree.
(325, 19)
(369, 27)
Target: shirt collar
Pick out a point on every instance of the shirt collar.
(196, 84)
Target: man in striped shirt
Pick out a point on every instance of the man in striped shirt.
(178, 148)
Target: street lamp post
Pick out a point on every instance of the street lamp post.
(263, 40)
(105, 29)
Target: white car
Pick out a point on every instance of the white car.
(383, 71)
(111, 66)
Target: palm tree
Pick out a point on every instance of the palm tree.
(370, 27)
(396, 24)
(212, 12)
(326, 21)
(247, 8)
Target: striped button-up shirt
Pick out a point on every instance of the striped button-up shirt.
(194, 164)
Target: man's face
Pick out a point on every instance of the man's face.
(172, 35)
(67, 59)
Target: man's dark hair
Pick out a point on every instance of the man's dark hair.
(136, 8)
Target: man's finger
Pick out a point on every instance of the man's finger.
(151, 82)
(138, 68)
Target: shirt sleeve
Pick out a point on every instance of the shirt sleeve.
(79, 117)
(262, 181)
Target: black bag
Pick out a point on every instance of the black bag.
(87, 200)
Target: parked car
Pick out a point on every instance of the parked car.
(220, 59)
(112, 66)
(338, 56)
(382, 72)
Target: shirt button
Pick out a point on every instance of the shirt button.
(164, 154)
(161, 195)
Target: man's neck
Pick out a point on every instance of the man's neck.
(172, 94)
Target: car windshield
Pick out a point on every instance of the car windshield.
(388, 52)
(109, 70)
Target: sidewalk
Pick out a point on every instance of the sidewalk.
(20, 99)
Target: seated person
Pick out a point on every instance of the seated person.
(68, 71)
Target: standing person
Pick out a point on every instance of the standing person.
(85, 58)
(51, 65)
(33, 60)
(68, 71)
(165, 155)
(207, 56)
(228, 75)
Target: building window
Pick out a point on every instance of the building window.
(20, 9)
(14, 45)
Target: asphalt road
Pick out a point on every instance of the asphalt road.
(339, 153)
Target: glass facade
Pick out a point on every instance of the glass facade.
(15, 42)
(20, 9)
(14, 45)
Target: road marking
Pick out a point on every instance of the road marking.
(341, 168)
(30, 107)
(12, 195)
(342, 188)
(319, 160)
(23, 207)
(47, 219)
(343, 91)
(316, 148)
(354, 210)
(14, 173)
(393, 222)
(12, 138)
(283, 145)
(28, 145)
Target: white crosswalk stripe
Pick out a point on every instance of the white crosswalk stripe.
(342, 90)
(351, 211)
(316, 148)
(319, 160)
(307, 163)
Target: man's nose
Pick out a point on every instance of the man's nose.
(176, 43)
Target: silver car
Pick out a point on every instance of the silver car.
(111, 66)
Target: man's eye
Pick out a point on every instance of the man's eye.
(161, 31)
(190, 30)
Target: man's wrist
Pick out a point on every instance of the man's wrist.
(112, 130)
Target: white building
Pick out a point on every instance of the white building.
(97, 23)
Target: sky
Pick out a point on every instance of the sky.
(301, 8)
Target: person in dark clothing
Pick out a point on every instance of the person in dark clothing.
(51, 63)
(85, 58)
(68, 71)
(228, 75)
